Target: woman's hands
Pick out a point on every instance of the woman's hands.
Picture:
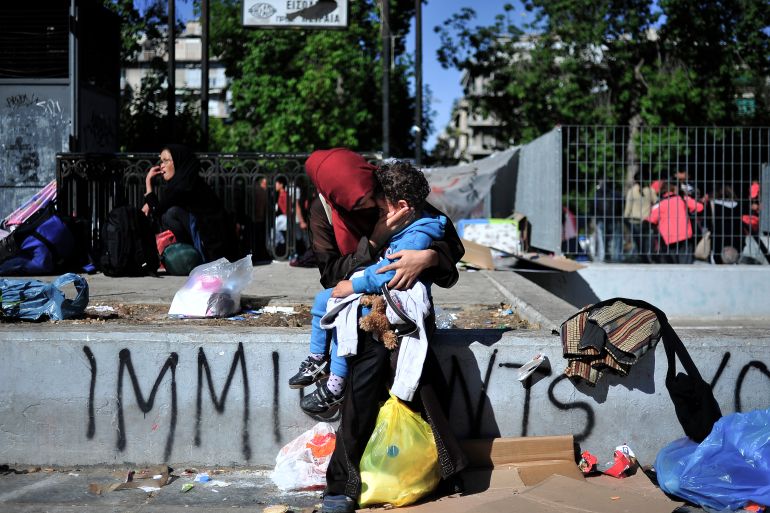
(152, 173)
(390, 223)
(410, 263)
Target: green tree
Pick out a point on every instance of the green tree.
(624, 62)
(578, 62)
(297, 90)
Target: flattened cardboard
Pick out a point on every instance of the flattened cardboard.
(637, 483)
(501, 467)
(558, 494)
(493, 452)
(539, 260)
(477, 255)
(515, 463)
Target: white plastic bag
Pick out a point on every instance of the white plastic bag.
(213, 289)
(302, 462)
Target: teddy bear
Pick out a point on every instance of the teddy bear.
(376, 321)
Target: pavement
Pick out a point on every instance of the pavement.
(279, 284)
(67, 491)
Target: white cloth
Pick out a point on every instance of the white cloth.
(414, 302)
(342, 315)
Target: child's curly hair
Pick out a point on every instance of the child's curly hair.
(402, 181)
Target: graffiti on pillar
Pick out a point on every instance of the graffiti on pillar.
(219, 402)
(32, 131)
(146, 406)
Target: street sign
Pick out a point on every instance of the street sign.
(323, 14)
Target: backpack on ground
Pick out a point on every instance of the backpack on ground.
(180, 259)
(128, 244)
(42, 244)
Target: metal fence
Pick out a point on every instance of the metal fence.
(90, 185)
(657, 195)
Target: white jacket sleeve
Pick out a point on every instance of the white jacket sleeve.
(413, 348)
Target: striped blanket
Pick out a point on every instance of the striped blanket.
(32, 205)
(607, 339)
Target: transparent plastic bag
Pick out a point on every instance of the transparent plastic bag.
(727, 470)
(34, 300)
(400, 462)
(213, 289)
(302, 463)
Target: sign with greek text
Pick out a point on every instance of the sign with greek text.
(322, 14)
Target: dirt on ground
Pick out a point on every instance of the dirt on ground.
(255, 314)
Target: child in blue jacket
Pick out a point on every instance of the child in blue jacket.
(402, 185)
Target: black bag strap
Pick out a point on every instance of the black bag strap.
(409, 326)
(48, 244)
(675, 348)
(671, 341)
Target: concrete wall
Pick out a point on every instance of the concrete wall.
(699, 291)
(79, 395)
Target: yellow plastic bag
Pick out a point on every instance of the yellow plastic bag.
(400, 462)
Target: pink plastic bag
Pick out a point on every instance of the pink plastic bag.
(302, 463)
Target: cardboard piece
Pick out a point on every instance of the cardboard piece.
(558, 494)
(638, 483)
(509, 236)
(540, 261)
(539, 475)
(515, 463)
(477, 256)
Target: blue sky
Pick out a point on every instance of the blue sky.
(444, 83)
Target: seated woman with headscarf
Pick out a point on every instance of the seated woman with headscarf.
(188, 206)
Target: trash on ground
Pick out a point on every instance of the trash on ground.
(444, 319)
(277, 309)
(203, 477)
(148, 479)
(276, 508)
(617, 467)
(187, 487)
(587, 463)
(213, 289)
(302, 463)
(34, 300)
(100, 309)
(729, 469)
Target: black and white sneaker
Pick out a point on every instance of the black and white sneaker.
(310, 371)
(321, 401)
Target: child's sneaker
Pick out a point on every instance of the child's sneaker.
(321, 401)
(310, 371)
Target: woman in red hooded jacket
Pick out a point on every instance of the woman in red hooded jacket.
(672, 217)
(354, 237)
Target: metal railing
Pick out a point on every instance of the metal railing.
(653, 195)
(90, 185)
